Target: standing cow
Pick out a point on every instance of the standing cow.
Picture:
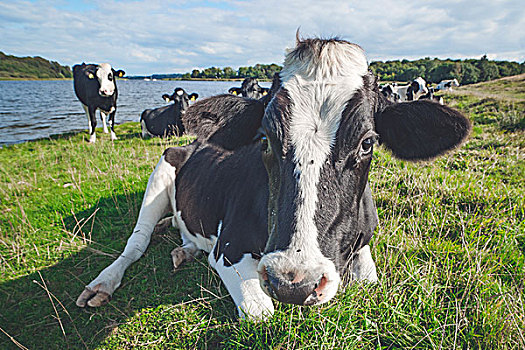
(278, 196)
(250, 88)
(167, 120)
(96, 88)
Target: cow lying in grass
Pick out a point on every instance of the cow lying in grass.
(278, 196)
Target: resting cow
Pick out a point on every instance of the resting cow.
(413, 91)
(389, 91)
(447, 84)
(167, 120)
(279, 196)
(250, 88)
(96, 88)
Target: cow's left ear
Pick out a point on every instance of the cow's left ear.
(119, 73)
(90, 73)
(194, 96)
(166, 98)
(235, 91)
(421, 130)
(226, 121)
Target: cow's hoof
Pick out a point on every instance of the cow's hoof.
(113, 136)
(93, 297)
(93, 138)
(179, 256)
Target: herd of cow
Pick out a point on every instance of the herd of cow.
(275, 188)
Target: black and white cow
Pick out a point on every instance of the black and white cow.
(447, 84)
(250, 88)
(413, 91)
(389, 91)
(279, 196)
(96, 88)
(430, 96)
(167, 120)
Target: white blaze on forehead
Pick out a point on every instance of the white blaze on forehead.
(319, 86)
(107, 86)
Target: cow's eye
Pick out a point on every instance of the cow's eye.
(265, 145)
(110, 77)
(366, 145)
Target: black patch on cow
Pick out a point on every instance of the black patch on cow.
(421, 130)
(232, 187)
(177, 156)
(226, 121)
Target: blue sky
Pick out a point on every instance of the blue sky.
(154, 36)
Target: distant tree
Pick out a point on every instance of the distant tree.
(470, 73)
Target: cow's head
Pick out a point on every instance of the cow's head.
(180, 98)
(316, 137)
(250, 88)
(106, 78)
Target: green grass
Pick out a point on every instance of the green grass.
(450, 252)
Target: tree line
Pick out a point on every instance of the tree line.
(12, 67)
(259, 71)
(434, 70)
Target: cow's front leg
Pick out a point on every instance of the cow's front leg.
(112, 123)
(155, 205)
(363, 266)
(92, 122)
(242, 281)
(104, 117)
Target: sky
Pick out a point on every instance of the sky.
(151, 36)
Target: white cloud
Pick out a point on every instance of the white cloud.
(144, 36)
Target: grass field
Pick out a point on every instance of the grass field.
(450, 250)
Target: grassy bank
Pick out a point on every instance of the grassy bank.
(450, 251)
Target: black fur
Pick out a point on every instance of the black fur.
(421, 130)
(226, 121)
(168, 120)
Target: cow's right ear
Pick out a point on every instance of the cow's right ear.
(194, 96)
(226, 121)
(166, 98)
(421, 130)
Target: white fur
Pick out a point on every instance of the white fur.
(363, 266)
(155, 205)
(104, 117)
(319, 90)
(107, 87)
(242, 281)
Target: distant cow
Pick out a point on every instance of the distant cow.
(278, 196)
(250, 88)
(96, 88)
(447, 84)
(413, 91)
(167, 120)
(430, 96)
(389, 91)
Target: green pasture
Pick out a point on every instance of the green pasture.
(450, 250)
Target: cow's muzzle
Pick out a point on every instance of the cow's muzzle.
(294, 287)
